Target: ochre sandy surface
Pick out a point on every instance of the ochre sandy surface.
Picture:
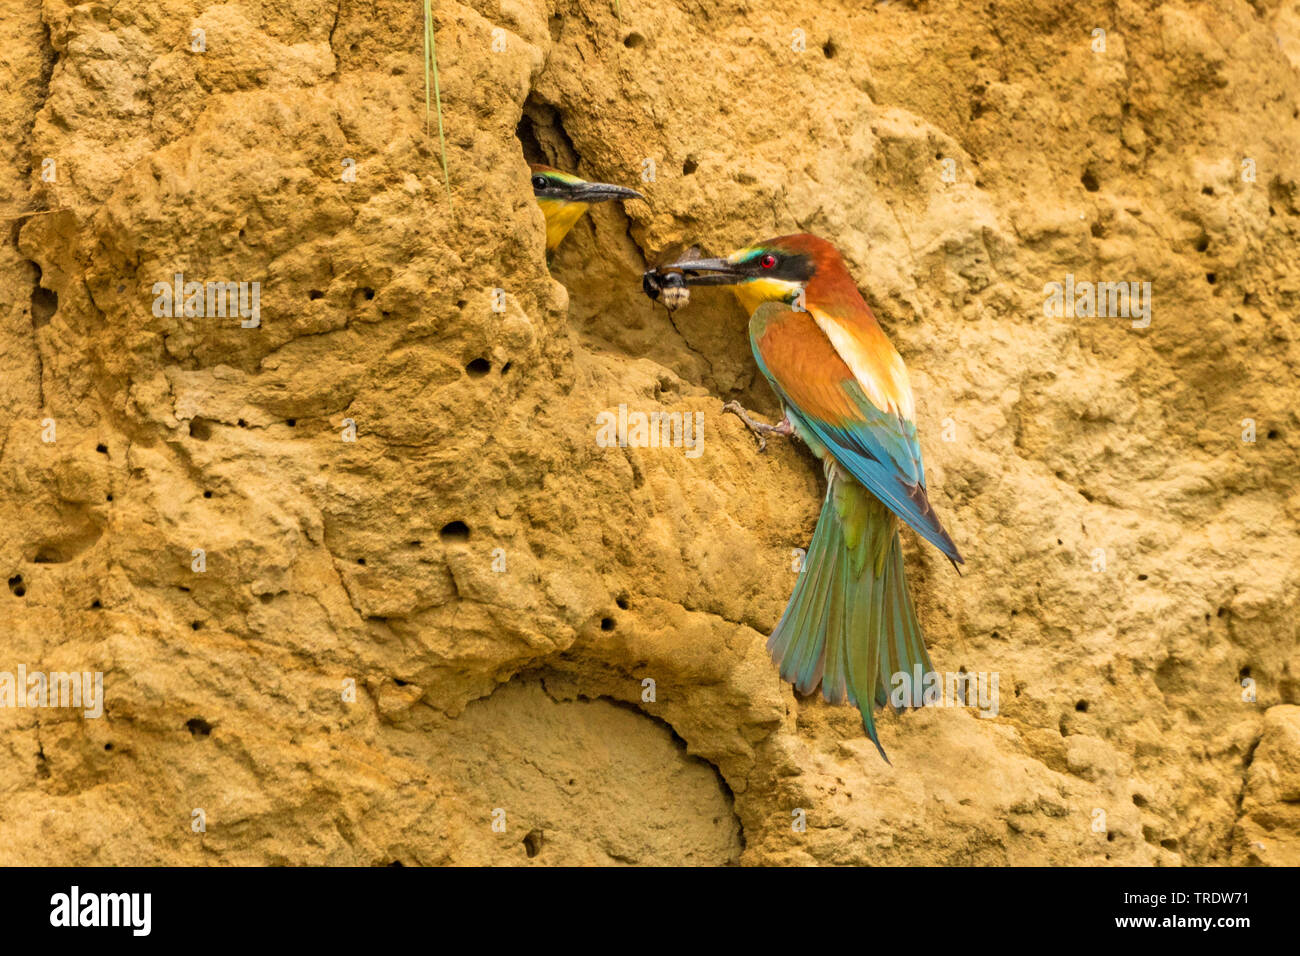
(498, 586)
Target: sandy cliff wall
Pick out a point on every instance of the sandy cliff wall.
(379, 561)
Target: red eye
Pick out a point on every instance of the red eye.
(767, 261)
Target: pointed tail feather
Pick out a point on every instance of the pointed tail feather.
(905, 661)
(850, 624)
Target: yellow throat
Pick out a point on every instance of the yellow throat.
(560, 218)
(755, 292)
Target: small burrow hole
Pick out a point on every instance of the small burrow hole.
(44, 304)
(454, 531)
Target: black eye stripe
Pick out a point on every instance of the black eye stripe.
(793, 266)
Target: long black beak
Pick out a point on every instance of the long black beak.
(708, 271)
(602, 192)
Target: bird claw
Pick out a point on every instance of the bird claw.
(760, 430)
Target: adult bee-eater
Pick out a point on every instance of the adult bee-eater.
(849, 625)
(564, 198)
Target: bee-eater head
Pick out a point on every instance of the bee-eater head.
(774, 270)
(564, 198)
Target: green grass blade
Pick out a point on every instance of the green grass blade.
(431, 60)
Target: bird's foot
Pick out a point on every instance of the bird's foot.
(760, 429)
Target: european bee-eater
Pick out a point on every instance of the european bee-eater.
(849, 625)
(564, 198)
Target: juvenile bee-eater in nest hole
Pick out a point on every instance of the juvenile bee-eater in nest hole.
(564, 198)
(850, 625)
